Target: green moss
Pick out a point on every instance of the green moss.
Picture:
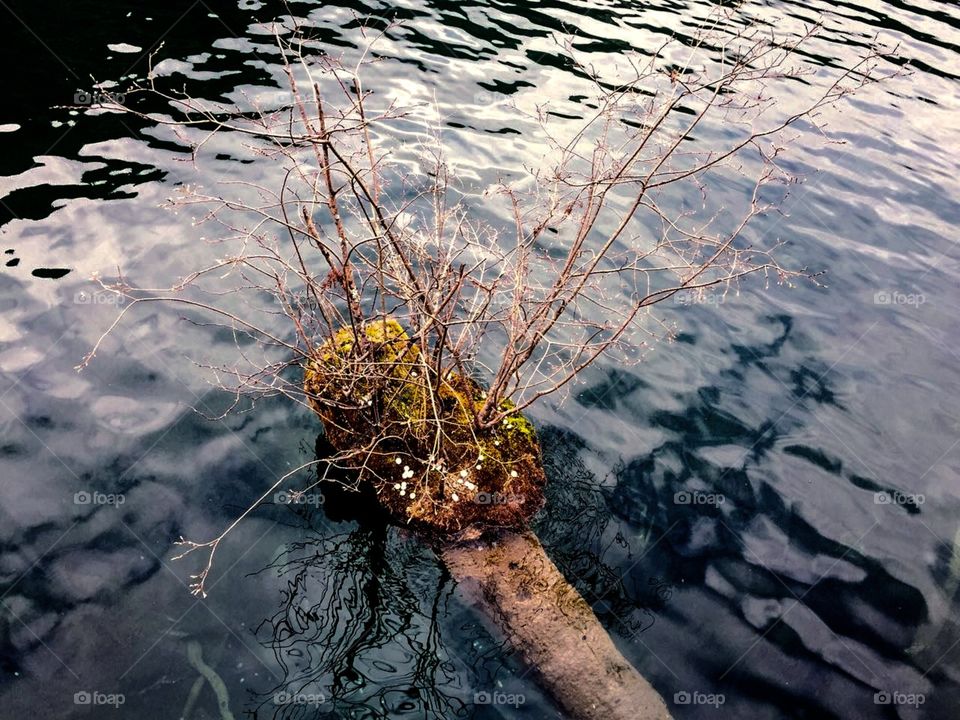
(385, 406)
(520, 424)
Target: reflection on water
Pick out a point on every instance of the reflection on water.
(370, 624)
(359, 628)
(826, 419)
(367, 625)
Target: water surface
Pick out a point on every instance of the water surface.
(800, 596)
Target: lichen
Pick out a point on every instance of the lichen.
(411, 433)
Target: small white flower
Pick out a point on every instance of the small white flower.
(478, 467)
(463, 473)
(412, 495)
(407, 474)
(403, 486)
(470, 486)
(497, 443)
(455, 497)
(398, 461)
(459, 481)
(513, 473)
(396, 486)
(402, 493)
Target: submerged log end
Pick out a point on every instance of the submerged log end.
(543, 616)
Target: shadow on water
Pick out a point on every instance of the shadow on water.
(676, 518)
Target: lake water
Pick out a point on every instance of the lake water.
(825, 585)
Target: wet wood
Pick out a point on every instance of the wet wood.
(526, 597)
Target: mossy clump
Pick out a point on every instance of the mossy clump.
(411, 434)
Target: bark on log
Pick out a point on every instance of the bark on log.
(527, 598)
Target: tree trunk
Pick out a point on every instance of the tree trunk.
(521, 591)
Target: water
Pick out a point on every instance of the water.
(799, 596)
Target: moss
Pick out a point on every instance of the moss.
(520, 424)
(413, 437)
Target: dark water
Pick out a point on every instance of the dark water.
(800, 596)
